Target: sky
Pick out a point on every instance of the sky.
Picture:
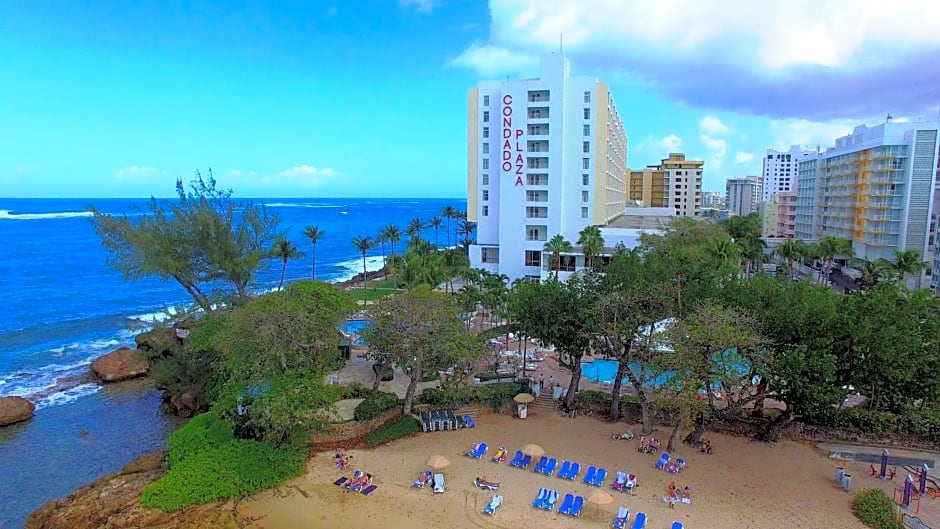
(368, 99)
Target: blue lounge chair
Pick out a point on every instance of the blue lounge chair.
(640, 521)
(541, 464)
(550, 467)
(589, 475)
(494, 503)
(566, 504)
(469, 422)
(438, 483)
(676, 525)
(565, 468)
(517, 458)
(549, 503)
(663, 461)
(599, 477)
(577, 506)
(481, 449)
(620, 522)
(525, 462)
(542, 496)
(573, 473)
(680, 463)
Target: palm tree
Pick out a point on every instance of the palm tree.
(907, 262)
(466, 228)
(829, 248)
(392, 234)
(790, 250)
(314, 233)
(284, 250)
(592, 244)
(556, 246)
(414, 228)
(435, 223)
(874, 272)
(722, 251)
(449, 212)
(380, 241)
(363, 244)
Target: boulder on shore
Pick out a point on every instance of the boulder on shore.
(15, 409)
(160, 342)
(120, 364)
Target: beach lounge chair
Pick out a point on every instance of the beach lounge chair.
(676, 525)
(680, 463)
(452, 420)
(549, 503)
(630, 485)
(500, 455)
(599, 477)
(439, 483)
(566, 504)
(488, 485)
(425, 479)
(663, 461)
(469, 423)
(494, 503)
(589, 475)
(640, 521)
(517, 459)
(481, 449)
(565, 468)
(525, 462)
(621, 520)
(540, 498)
(425, 421)
(341, 481)
(550, 467)
(577, 506)
(541, 464)
(573, 472)
(369, 490)
(619, 481)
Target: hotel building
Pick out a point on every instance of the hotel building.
(743, 195)
(781, 171)
(876, 187)
(546, 156)
(674, 183)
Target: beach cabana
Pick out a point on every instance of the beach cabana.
(522, 401)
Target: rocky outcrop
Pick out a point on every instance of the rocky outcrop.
(189, 403)
(158, 343)
(120, 364)
(15, 409)
(111, 503)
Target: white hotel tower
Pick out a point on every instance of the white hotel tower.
(545, 156)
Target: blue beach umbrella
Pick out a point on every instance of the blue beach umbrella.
(908, 488)
(884, 463)
(923, 479)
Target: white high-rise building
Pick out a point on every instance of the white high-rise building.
(781, 170)
(743, 195)
(546, 156)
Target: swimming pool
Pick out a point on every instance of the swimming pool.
(604, 371)
(354, 327)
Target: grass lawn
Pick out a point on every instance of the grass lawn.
(374, 290)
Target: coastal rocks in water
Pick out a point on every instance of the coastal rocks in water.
(112, 503)
(121, 364)
(15, 409)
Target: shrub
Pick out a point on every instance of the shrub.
(876, 509)
(496, 395)
(207, 463)
(404, 427)
(375, 404)
(917, 424)
(355, 390)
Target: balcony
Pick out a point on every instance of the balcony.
(537, 163)
(539, 96)
(538, 113)
(537, 146)
(538, 130)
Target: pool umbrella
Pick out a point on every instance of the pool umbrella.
(884, 463)
(438, 462)
(523, 398)
(923, 479)
(908, 489)
(599, 497)
(533, 450)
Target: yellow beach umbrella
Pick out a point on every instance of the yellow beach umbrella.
(438, 462)
(523, 398)
(533, 450)
(599, 497)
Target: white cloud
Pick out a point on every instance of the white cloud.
(713, 125)
(671, 143)
(744, 157)
(493, 61)
(717, 149)
(134, 172)
(809, 134)
(307, 170)
(421, 6)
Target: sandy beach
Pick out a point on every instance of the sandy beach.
(742, 485)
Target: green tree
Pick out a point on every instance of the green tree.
(284, 250)
(556, 246)
(790, 250)
(874, 273)
(420, 265)
(363, 245)
(592, 244)
(202, 240)
(829, 248)
(467, 229)
(414, 228)
(907, 262)
(419, 331)
(449, 213)
(314, 233)
(391, 234)
(435, 223)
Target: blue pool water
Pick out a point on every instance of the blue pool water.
(355, 327)
(602, 370)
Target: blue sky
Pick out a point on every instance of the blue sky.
(101, 99)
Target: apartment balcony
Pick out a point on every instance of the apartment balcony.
(537, 146)
(537, 163)
(538, 130)
(538, 113)
(539, 96)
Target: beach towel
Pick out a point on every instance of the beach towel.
(341, 481)
(369, 490)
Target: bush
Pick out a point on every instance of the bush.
(404, 427)
(355, 390)
(922, 425)
(496, 395)
(207, 463)
(876, 509)
(374, 405)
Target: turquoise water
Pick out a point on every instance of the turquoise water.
(355, 327)
(605, 370)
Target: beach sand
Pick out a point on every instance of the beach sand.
(742, 485)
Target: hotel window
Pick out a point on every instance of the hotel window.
(486, 163)
(486, 179)
(490, 255)
(536, 233)
(486, 148)
(536, 212)
(584, 213)
(585, 179)
(537, 179)
(486, 132)
(587, 97)
(587, 130)
(486, 116)
(586, 147)
(486, 195)
(586, 163)
(486, 211)
(486, 100)
(584, 196)
(533, 258)
(587, 113)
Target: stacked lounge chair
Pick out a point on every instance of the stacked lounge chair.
(599, 477)
(543, 462)
(493, 505)
(573, 471)
(623, 516)
(640, 521)
(438, 420)
(566, 504)
(576, 506)
(549, 467)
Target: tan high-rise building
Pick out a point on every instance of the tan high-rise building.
(674, 183)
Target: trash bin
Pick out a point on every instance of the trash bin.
(839, 472)
(846, 480)
(523, 411)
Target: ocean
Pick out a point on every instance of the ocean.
(63, 306)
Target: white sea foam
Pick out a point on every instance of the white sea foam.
(103, 344)
(354, 266)
(301, 205)
(6, 214)
(156, 316)
(68, 395)
(57, 350)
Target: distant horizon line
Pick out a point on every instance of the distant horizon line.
(236, 197)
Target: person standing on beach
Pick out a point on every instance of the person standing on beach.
(551, 381)
(541, 381)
